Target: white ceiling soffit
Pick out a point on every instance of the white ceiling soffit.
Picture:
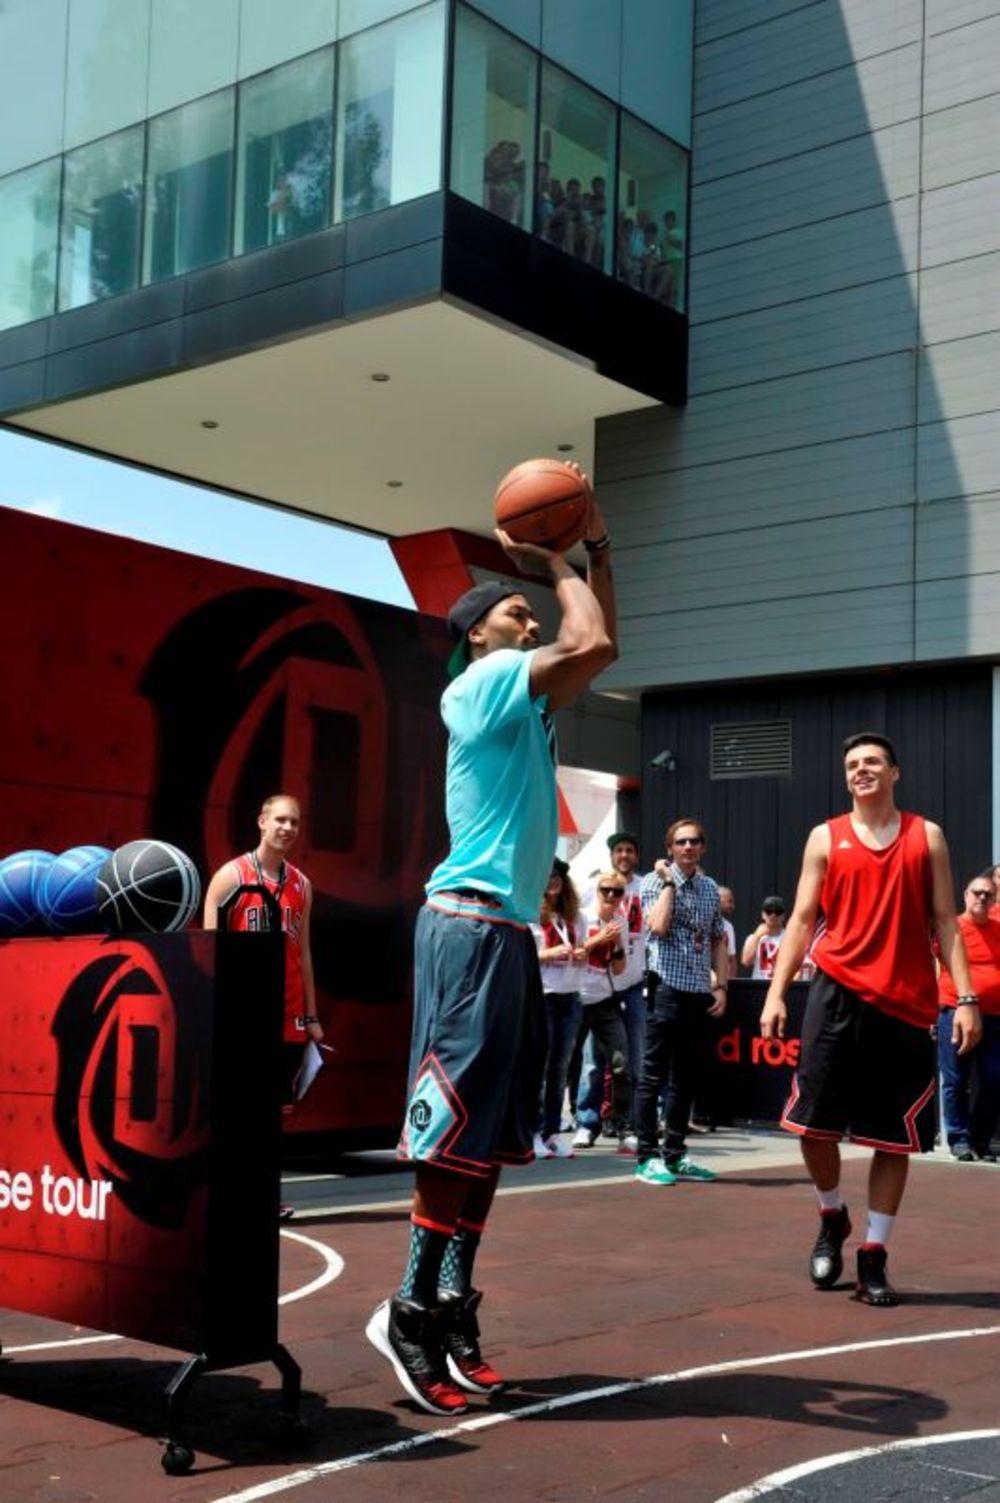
(302, 423)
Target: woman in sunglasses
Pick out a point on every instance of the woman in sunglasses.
(601, 958)
(558, 934)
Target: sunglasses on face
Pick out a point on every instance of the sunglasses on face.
(611, 892)
(689, 840)
(981, 893)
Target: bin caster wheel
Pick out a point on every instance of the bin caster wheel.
(177, 1459)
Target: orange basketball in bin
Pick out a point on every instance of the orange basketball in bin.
(543, 501)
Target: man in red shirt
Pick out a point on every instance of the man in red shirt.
(970, 1084)
(867, 1070)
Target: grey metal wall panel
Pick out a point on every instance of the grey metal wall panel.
(717, 18)
(851, 629)
(801, 44)
(858, 323)
(785, 487)
(958, 458)
(960, 298)
(958, 618)
(958, 537)
(961, 64)
(961, 221)
(945, 15)
(852, 101)
(767, 563)
(963, 142)
(817, 258)
(818, 185)
(959, 378)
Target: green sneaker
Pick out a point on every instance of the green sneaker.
(687, 1169)
(655, 1172)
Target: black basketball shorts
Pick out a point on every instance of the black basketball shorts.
(862, 1074)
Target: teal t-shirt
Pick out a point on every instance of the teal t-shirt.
(500, 791)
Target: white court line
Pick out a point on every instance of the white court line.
(759, 1489)
(334, 1267)
(570, 1400)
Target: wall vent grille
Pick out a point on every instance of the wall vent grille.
(751, 749)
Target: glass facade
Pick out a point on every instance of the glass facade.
(390, 107)
(284, 143)
(346, 130)
(101, 219)
(652, 213)
(493, 119)
(576, 156)
(29, 213)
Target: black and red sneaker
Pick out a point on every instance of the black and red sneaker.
(873, 1287)
(826, 1261)
(461, 1343)
(411, 1337)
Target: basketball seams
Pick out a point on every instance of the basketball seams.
(133, 901)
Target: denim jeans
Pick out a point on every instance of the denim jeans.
(970, 1085)
(607, 1040)
(675, 1028)
(633, 1002)
(562, 1017)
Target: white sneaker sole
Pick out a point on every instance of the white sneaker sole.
(461, 1380)
(377, 1331)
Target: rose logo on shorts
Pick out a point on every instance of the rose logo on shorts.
(132, 1087)
(420, 1116)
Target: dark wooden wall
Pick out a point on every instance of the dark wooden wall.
(940, 723)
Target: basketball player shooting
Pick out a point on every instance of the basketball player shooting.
(478, 1045)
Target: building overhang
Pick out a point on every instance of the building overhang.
(259, 375)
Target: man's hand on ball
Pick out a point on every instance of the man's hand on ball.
(530, 558)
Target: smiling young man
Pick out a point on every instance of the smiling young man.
(882, 880)
(478, 1045)
(686, 943)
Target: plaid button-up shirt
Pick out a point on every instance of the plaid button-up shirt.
(683, 958)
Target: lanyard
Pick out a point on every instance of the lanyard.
(277, 883)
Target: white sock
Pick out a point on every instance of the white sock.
(879, 1227)
(829, 1200)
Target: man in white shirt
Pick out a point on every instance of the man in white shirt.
(760, 949)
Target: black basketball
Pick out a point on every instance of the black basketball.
(147, 885)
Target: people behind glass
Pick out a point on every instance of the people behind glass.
(503, 181)
(651, 257)
(568, 217)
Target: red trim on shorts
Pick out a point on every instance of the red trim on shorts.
(432, 1226)
(912, 1145)
(796, 1127)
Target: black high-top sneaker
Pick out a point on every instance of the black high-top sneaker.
(873, 1287)
(411, 1337)
(826, 1261)
(461, 1343)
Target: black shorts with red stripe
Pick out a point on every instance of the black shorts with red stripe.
(863, 1074)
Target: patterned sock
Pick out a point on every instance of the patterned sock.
(428, 1242)
(460, 1254)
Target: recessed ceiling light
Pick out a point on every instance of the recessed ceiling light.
(394, 484)
(565, 448)
(380, 375)
(209, 423)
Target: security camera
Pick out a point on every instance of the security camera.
(664, 761)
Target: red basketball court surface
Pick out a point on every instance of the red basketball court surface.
(663, 1343)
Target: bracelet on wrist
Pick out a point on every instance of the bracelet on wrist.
(967, 1001)
(309, 1017)
(597, 545)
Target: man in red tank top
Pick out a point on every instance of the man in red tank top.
(268, 866)
(867, 1066)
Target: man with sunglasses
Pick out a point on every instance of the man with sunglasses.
(478, 1046)
(686, 943)
(970, 1083)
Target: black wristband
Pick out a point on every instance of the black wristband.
(597, 545)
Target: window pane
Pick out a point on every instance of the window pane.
(390, 88)
(652, 208)
(28, 212)
(576, 151)
(493, 119)
(189, 187)
(283, 185)
(102, 198)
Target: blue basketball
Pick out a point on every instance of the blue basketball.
(21, 878)
(68, 897)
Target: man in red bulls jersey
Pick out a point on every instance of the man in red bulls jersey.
(268, 866)
(867, 1066)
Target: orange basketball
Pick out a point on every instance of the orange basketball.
(543, 501)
